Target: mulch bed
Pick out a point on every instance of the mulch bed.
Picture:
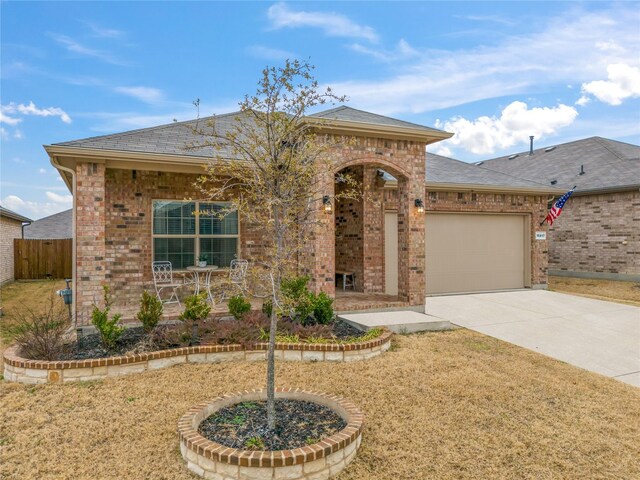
(134, 340)
(298, 423)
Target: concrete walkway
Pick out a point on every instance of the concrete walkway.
(599, 336)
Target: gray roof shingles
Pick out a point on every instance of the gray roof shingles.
(58, 225)
(441, 169)
(606, 163)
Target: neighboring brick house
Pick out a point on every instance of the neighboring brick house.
(598, 233)
(10, 228)
(54, 227)
(130, 192)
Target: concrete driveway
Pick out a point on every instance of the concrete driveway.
(603, 337)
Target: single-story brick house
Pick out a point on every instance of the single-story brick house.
(130, 208)
(598, 233)
(54, 227)
(11, 224)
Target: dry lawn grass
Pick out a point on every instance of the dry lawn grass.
(611, 290)
(17, 296)
(453, 405)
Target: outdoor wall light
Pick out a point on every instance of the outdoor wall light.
(419, 205)
(326, 204)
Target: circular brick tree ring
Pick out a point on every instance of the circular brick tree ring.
(320, 460)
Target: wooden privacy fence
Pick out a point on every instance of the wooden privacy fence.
(35, 259)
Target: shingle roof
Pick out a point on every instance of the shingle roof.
(349, 114)
(58, 225)
(607, 164)
(176, 138)
(5, 212)
(170, 139)
(441, 169)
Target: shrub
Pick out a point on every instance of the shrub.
(40, 335)
(238, 306)
(322, 308)
(150, 311)
(267, 307)
(196, 309)
(108, 328)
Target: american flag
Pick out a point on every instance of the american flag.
(556, 210)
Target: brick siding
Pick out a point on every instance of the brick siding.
(10, 229)
(598, 233)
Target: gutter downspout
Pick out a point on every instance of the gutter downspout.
(59, 167)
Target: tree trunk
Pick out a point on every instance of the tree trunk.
(273, 328)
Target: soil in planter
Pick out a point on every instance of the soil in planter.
(298, 424)
(90, 346)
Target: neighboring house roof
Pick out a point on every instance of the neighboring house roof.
(5, 212)
(607, 165)
(58, 225)
(444, 172)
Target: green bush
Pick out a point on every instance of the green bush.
(108, 328)
(150, 311)
(238, 306)
(306, 307)
(196, 309)
(322, 308)
(267, 307)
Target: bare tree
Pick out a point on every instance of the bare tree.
(267, 166)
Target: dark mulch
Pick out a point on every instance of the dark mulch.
(134, 340)
(298, 423)
(89, 346)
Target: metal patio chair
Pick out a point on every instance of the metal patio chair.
(163, 280)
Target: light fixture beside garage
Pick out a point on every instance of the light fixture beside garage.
(419, 205)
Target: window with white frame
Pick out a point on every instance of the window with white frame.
(182, 231)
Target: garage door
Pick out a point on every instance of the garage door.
(475, 252)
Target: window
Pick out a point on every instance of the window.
(184, 230)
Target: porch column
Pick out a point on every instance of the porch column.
(373, 233)
(411, 240)
(318, 259)
(90, 238)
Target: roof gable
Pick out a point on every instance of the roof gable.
(58, 225)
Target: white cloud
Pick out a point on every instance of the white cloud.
(31, 109)
(7, 119)
(4, 134)
(103, 32)
(57, 198)
(444, 151)
(623, 82)
(485, 135)
(269, 53)
(402, 51)
(42, 170)
(76, 47)
(17, 134)
(562, 51)
(333, 24)
(144, 94)
(34, 210)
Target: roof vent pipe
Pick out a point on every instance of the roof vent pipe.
(530, 145)
(581, 170)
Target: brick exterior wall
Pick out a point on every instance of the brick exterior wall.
(405, 160)
(114, 224)
(114, 231)
(598, 234)
(10, 229)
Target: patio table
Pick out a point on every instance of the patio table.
(206, 281)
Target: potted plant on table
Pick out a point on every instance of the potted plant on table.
(202, 260)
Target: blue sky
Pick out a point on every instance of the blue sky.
(491, 72)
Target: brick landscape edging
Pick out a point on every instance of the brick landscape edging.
(23, 370)
(320, 460)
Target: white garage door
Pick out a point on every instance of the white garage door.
(475, 252)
